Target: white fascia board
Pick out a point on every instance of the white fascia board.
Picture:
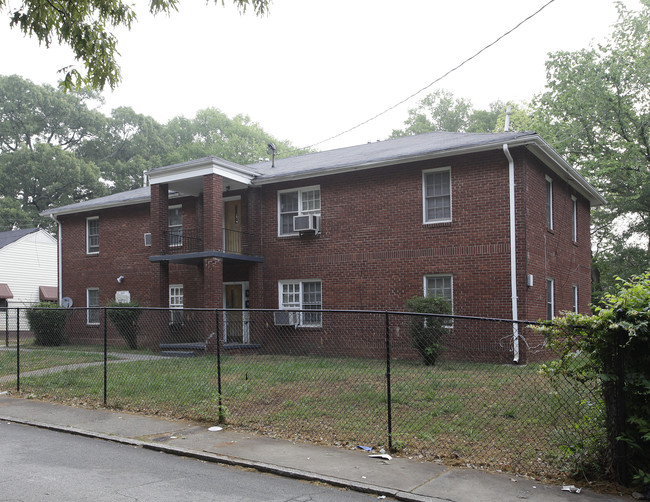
(554, 161)
(197, 169)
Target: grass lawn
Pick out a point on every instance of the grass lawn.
(36, 359)
(498, 416)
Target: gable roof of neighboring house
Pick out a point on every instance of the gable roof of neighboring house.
(12, 236)
(371, 155)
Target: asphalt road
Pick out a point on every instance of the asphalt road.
(43, 465)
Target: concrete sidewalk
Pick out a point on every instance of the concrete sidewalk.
(399, 478)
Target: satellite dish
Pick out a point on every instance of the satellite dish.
(66, 302)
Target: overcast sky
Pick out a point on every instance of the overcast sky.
(312, 69)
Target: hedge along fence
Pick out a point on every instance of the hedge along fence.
(342, 377)
(611, 350)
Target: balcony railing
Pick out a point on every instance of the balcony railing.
(190, 240)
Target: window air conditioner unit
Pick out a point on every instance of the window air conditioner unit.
(306, 223)
(286, 318)
(147, 239)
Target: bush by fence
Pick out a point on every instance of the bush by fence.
(345, 378)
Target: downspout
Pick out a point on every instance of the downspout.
(513, 255)
(59, 258)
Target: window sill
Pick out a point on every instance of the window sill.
(435, 224)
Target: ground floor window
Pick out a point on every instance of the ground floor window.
(550, 298)
(92, 302)
(302, 295)
(576, 307)
(439, 285)
(176, 303)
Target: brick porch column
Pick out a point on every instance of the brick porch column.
(213, 283)
(158, 225)
(212, 240)
(212, 212)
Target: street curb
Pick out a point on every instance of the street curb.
(234, 461)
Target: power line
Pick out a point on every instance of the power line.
(432, 83)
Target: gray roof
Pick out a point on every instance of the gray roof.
(137, 196)
(11, 236)
(371, 155)
(394, 151)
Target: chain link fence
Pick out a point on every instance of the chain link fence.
(343, 378)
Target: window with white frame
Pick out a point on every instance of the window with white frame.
(296, 202)
(175, 304)
(175, 225)
(92, 304)
(574, 218)
(302, 295)
(575, 298)
(549, 203)
(92, 235)
(436, 195)
(550, 299)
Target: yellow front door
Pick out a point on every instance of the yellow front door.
(232, 224)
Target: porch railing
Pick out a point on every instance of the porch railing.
(190, 240)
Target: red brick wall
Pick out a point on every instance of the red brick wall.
(374, 250)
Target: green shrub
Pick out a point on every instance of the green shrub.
(124, 317)
(614, 355)
(47, 322)
(427, 332)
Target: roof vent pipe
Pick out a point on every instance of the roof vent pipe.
(506, 127)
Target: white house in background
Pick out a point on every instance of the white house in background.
(28, 268)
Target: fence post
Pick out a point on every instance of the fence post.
(105, 358)
(18, 350)
(7, 327)
(620, 411)
(218, 340)
(388, 389)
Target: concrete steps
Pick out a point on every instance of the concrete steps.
(182, 349)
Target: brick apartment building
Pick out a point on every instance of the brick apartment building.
(481, 219)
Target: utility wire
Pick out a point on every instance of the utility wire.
(432, 83)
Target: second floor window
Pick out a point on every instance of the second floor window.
(574, 218)
(92, 235)
(549, 203)
(436, 192)
(296, 203)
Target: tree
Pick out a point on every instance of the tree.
(610, 351)
(31, 114)
(440, 111)
(129, 144)
(44, 177)
(212, 132)
(596, 112)
(85, 26)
